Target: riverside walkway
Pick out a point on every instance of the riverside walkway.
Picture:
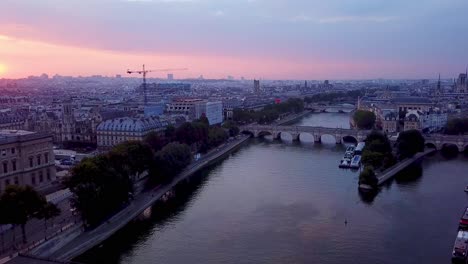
(394, 170)
(89, 239)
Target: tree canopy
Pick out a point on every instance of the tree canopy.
(99, 188)
(19, 204)
(269, 113)
(170, 160)
(457, 126)
(364, 119)
(367, 176)
(378, 151)
(409, 143)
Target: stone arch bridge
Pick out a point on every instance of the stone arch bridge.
(295, 131)
(437, 141)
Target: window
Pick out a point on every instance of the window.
(7, 182)
(41, 177)
(16, 181)
(13, 150)
(3, 152)
(5, 167)
(33, 179)
(46, 158)
(13, 164)
(48, 174)
(31, 162)
(38, 159)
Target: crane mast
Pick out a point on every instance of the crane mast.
(144, 72)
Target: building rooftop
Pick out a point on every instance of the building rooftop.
(411, 100)
(129, 124)
(8, 136)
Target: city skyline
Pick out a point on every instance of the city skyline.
(250, 38)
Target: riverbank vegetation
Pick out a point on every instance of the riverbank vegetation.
(102, 185)
(376, 156)
(364, 119)
(269, 113)
(457, 126)
(409, 143)
(334, 96)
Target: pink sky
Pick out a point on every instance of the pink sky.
(20, 58)
(267, 39)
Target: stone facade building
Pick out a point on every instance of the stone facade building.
(115, 131)
(26, 158)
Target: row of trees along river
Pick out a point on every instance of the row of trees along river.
(102, 185)
(282, 201)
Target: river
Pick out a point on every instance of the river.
(279, 202)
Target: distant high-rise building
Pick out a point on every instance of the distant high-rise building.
(118, 76)
(170, 76)
(305, 84)
(256, 86)
(326, 82)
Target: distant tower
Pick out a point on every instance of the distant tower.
(305, 84)
(256, 86)
(170, 76)
(67, 121)
(462, 83)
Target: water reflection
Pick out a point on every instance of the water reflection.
(286, 201)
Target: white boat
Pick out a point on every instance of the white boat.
(344, 164)
(355, 162)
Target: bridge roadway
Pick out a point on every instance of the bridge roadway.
(437, 141)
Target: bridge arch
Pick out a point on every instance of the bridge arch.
(430, 145)
(306, 136)
(329, 138)
(248, 132)
(350, 139)
(264, 133)
(449, 149)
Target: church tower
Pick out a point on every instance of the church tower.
(68, 121)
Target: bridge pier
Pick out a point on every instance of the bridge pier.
(318, 138)
(295, 136)
(338, 139)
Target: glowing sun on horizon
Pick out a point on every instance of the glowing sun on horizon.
(3, 68)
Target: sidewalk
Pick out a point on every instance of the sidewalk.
(35, 231)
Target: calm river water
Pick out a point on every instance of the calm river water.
(284, 202)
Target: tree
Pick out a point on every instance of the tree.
(378, 142)
(457, 126)
(21, 203)
(203, 119)
(216, 136)
(154, 141)
(409, 143)
(372, 158)
(170, 160)
(3, 221)
(232, 128)
(48, 211)
(135, 155)
(368, 177)
(100, 188)
(364, 119)
(170, 133)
